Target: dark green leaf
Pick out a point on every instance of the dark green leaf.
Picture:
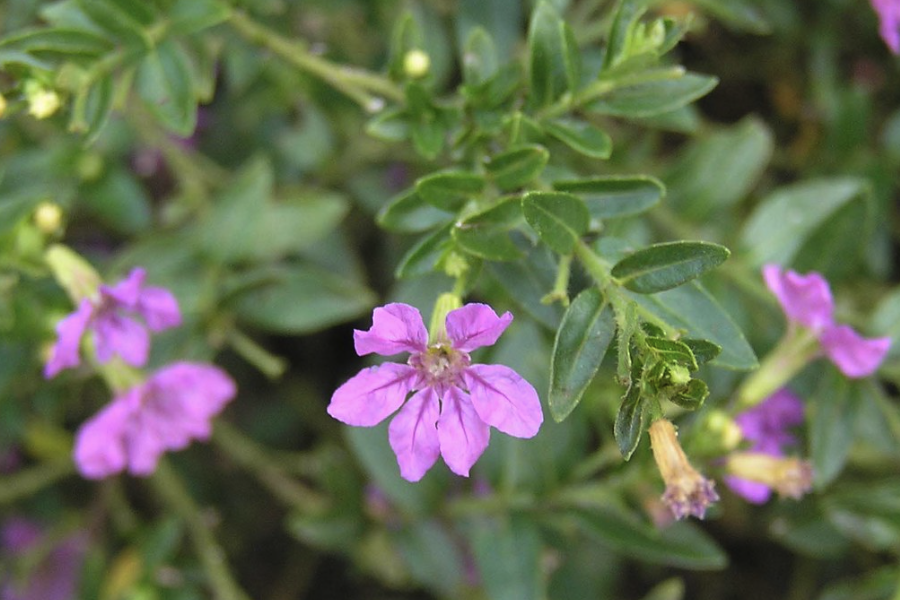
(117, 19)
(559, 219)
(514, 168)
(879, 584)
(831, 427)
(390, 125)
(627, 12)
(526, 283)
(581, 343)
(581, 137)
(692, 309)
(615, 196)
(508, 554)
(408, 212)
(425, 256)
(450, 191)
(300, 300)
(867, 512)
(479, 60)
(432, 555)
(164, 82)
(672, 352)
(741, 15)
(428, 138)
(681, 544)
(654, 97)
(630, 419)
(60, 41)
(485, 234)
(118, 201)
(190, 16)
(703, 350)
(691, 396)
(664, 266)
(548, 55)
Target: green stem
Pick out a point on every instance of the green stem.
(268, 364)
(357, 84)
(795, 350)
(258, 460)
(30, 481)
(170, 488)
(560, 292)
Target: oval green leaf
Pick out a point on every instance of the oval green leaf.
(451, 190)
(630, 420)
(615, 196)
(665, 266)
(409, 213)
(581, 137)
(581, 343)
(559, 219)
(654, 97)
(514, 168)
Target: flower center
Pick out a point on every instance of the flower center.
(440, 365)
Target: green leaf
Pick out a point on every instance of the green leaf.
(719, 170)
(867, 512)
(652, 98)
(703, 350)
(831, 420)
(191, 16)
(627, 12)
(409, 213)
(508, 554)
(514, 168)
(164, 83)
(390, 125)
(581, 343)
(672, 352)
(118, 201)
(479, 61)
(879, 584)
(559, 219)
(581, 137)
(425, 256)
(449, 191)
(741, 15)
(486, 234)
(615, 196)
(92, 108)
(58, 41)
(297, 300)
(433, 556)
(691, 396)
(630, 419)
(784, 221)
(526, 283)
(681, 544)
(554, 67)
(692, 309)
(664, 266)
(120, 19)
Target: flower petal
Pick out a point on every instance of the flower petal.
(65, 352)
(853, 354)
(751, 491)
(395, 328)
(474, 326)
(414, 437)
(504, 399)
(101, 449)
(462, 433)
(889, 22)
(127, 292)
(159, 308)
(372, 394)
(805, 299)
(121, 336)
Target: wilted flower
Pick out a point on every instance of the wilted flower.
(454, 402)
(889, 17)
(765, 426)
(789, 476)
(115, 333)
(806, 300)
(54, 577)
(687, 491)
(169, 410)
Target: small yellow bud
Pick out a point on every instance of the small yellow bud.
(729, 432)
(43, 103)
(48, 217)
(2, 105)
(416, 64)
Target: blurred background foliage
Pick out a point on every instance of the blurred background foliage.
(265, 161)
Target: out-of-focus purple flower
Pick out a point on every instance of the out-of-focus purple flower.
(454, 403)
(766, 427)
(806, 300)
(110, 317)
(687, 491)
(169, 410)
(889, 18)
(55, 577)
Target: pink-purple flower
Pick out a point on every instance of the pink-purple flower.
(766, 426)
(889, 18)
(166, 412)
(110, 316)
(54, 576)
(453, 403)
(806, 300)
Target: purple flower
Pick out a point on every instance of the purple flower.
(766, 426)
(889, 17)
(54, 577)
(166, 412)
(806, 300)
(454, 403)
(115, 332)
(687, 491)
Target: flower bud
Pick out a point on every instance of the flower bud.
(416, 64)
(2, 105)
(789, 476)
(42, 103)
(48, 217)
(687, 491)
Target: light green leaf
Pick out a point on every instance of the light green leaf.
(578, 350)
(672, 352)
(559, 219)
(831, 419)
(508, 554)
(57, 41)
(409, 212)
(514, 168)
(581, 137)
(164, 83)
(654, 97)
(664, 266)
(615, 196)
(449, 191)
(191, 16)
